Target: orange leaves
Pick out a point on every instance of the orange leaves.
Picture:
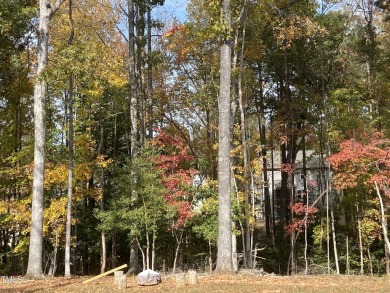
(173, 30)
(179, 41)
(296, 27)
(362, 163)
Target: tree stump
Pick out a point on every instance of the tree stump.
(192, 277)
(117, 276)
(120, 280)
(180, 279)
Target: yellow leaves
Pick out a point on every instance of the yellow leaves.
(16, 212)
(102, 162)
(83, 171)
(257, 167)
(296, 27)
(237, 150)
(55, 215)
(209, 184)
(116, 80)
(55, 175)
(95, 92)
(3, 208)
(85, 146)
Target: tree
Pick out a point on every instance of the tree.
(16, 121)
(70, 165)
(362, 172)
(34, 269)
(224, 244)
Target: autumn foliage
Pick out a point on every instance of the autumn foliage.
(303, 216)
(174, 162)
(359, 163)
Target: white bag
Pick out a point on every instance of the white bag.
(149, 277)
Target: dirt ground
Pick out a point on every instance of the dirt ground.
(210, 283)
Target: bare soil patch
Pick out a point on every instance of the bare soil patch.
(211, 283)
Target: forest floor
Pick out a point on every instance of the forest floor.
(210, 283)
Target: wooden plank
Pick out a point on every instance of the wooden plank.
(105, 274)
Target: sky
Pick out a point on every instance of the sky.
(173, 9)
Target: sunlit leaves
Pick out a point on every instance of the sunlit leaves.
(177, 174)
(295, 27)
(361, 164)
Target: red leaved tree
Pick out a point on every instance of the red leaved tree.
(175, 162)
(363, 168)
(362, 164)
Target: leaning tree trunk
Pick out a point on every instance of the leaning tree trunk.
(384, 228)
(224, 245)
(70, 146)
(34, 268)
(178, 243)
(336, 257)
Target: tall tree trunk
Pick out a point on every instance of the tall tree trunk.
(133, 120)
(153, 248)
(140, 69)
(53, 261)
(70, 148)
(113, 251)
(150, 76)
(292, 236)
(178, 242)
(268, 206)
(103, 257)
(133, 269)
(210, 257)
(70, 181)
(147, 250)
(336, 257)
(34, 268)
(133, 84)
(143, 254)
(234, 242)
(360, 241)
(306, 216)
(347, 264)
(248, 232)
(224, 254)
(234, 253)
(327, 228)
(384, 229)
(103, 260)
(369, 260)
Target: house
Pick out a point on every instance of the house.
(318, 177)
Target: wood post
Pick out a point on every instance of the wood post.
(117, 276)
(120, 280)
(105, 274)
(189, 278)
(180, 279)
(192, 277)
